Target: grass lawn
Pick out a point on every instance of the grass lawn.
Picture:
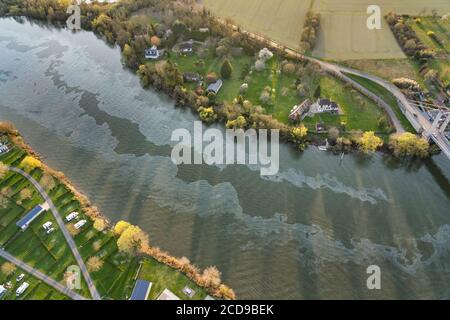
(283, 98)
(387, 97)
(230, 88)
(359, 112)
(37, 290)
(387, 69)
(163, 276)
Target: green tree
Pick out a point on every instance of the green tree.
(227, 69)
(318, 92)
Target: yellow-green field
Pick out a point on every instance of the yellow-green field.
(344, 36)
(281, 20)
(343, 33)
(398, 6)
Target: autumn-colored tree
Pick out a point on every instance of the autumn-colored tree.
(211, 277)
(29, 163)
(97, 245)
(369, 142)
(155, 41)
(72, 230)
(3, 170)
(132, 240)
(408, 145)
(94, 264)
(26, 193)
(120, 227)
(226, 292)
(8, 127)
(47, 182)
(100, 224)
(8, 268)
(289, 68)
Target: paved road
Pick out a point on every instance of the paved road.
(36, 273)
(94, 293)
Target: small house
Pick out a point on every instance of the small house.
(326, 105)
(168, 295)
(191, 77)
(152, 53)
(215, 87)
(203, 30)
(299, 111)
(187, 47)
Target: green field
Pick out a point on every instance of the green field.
(359, 112)
(283, 98)
(230, 88)
(387, 97)
(37, 290)
(162, 277)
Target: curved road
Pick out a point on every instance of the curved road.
(90, 283)
(36, 273)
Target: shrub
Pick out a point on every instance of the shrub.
(207, 115)
(226, 70)
(94, 264)
(8, 268)
(211, 77)
(289, 68)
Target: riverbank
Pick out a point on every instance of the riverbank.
(99, 237)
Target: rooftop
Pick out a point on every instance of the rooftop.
(141, 290)
(168, 295)
(30, 216)
(215, 87)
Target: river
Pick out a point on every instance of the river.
(309, 232)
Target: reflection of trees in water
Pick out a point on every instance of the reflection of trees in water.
(438, 176)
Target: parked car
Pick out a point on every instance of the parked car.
(20, 277)
(79, 224)
(47, 225)
(2, 291)
(72, 216)
(50, 230)
(22, 289)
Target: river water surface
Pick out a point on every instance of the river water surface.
(309, 232)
